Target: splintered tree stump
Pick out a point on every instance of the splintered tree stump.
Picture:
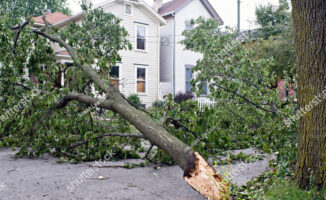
(202, 177)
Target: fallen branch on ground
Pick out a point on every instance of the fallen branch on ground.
(108, 135)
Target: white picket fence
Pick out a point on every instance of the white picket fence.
(202, 102)
(166, 88)
(205, 102)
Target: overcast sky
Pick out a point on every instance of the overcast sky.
(227, 9)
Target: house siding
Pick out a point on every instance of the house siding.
(130, 59)
(192, 10)
(183, 58)
(167, 44)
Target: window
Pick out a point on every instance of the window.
(114, 74)
(205, 88)
(189, 26)
(141, 37)
(141, 80)
(128, 9)
(188, 78)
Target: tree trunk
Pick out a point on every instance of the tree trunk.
(197, 172)
(309, 18)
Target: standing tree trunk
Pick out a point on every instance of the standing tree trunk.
(309, 18)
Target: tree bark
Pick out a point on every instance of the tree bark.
(309, 18)
(197, 172)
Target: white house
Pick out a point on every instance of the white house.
(139, 71)
(176, 62)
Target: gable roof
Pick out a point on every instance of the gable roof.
(53, 18)
(139, 3)
(176, 5)
(171, 6)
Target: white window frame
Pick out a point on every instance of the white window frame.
(146, 37)
(124, 8)
(139, 66)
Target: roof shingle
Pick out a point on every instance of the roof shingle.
(171, 6)
(175, 5)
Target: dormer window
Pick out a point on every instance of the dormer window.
(128, 9)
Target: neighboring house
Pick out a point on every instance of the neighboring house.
(139, 70)
(285, 92)
(54, 19)
(176, 62)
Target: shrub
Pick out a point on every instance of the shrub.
(158, 103)
(181, 97)
(134, 99)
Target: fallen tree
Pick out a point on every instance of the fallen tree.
(89, 50)
(197, 172)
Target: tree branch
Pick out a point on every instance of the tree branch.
(177, 124)
(22, 86)
(19, 29)
(241, 79)
(46, 22)
(86, 85)
(101, 103)
(162, 121)
(91, 73)
(148, 152)
(245, 98)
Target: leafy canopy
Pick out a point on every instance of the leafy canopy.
(32, 8)
(28, 120)
(241, 84)
(275, 38)
(273, 20)
(248, 110)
